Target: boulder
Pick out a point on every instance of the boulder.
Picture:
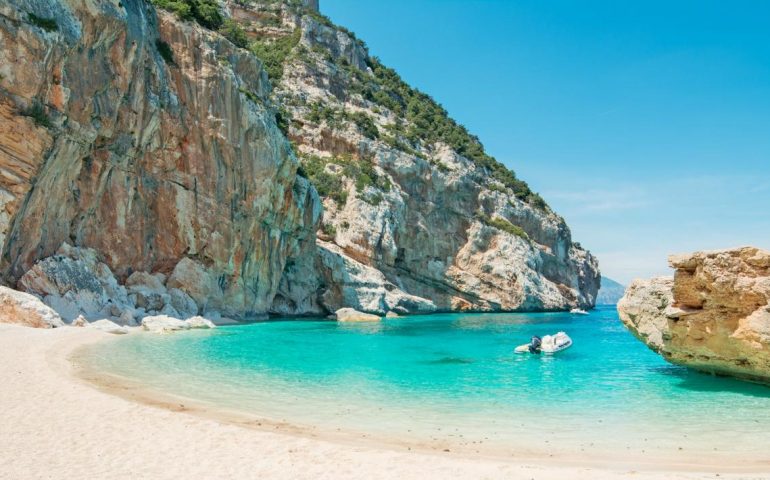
(75, 282)
(109, 326)
(192, 278)
(392, 314)
(24, 309)
(80, 322)
(199, 322)
(182, 303)
(713, 316)
(352, 315)
(163, 324)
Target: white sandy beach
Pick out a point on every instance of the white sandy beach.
(56, 425)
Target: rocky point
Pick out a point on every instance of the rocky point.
(713, 316)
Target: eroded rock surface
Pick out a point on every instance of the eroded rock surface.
(713, 316)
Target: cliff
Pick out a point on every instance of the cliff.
(417, 217)
(169, 160)
(713, 316)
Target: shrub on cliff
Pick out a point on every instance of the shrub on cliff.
(274, 53)
(234, 32)
(505, 226)
(205, 12)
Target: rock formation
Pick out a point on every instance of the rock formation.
(146, 169)
(713, 316)
(25, 309)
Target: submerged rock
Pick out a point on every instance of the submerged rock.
(352, 315)
(24, 309)
(713, 316)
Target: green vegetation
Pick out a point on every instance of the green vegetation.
(47, 24)
(37, 113)
(427, 122)
(322, 113)
(361, 171)
(250, 95)
(205, 12)
(328, 229)
(274, 53)
(232, 31)
(283, 119)
(365, 125)
(505, 226)
(374, 199)
(328, 185)
(165, 51)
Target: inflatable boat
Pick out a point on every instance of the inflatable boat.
(549, 344)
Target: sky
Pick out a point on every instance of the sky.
(646, 124)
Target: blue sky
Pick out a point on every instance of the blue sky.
(645, 124)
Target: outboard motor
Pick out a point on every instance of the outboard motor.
(534, 344)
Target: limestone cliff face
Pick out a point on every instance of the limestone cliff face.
(146, 167)
(411, 223)
(148, 161)
(714, 315)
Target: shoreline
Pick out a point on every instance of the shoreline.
(48, 378)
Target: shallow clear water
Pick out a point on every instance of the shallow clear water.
(455, 378)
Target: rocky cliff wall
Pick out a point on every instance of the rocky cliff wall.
(151, 141)
(146, 166)
(713, 316)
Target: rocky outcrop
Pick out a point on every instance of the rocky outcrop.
(146, 169)
(24, 309)
(713, 316)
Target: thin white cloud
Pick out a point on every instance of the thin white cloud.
(600, 200)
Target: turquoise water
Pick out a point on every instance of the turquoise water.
(455, 379)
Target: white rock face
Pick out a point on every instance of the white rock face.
(355, 285)
(109, 327)
(24, 309)
(352, 315)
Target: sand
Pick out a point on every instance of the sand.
(55, 425)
